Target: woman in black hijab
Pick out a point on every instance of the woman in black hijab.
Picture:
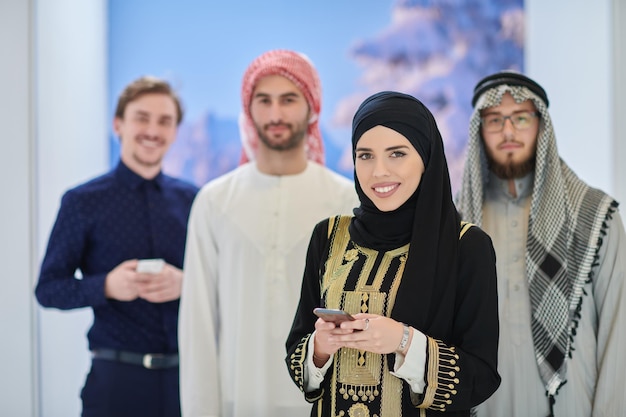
(419, 283)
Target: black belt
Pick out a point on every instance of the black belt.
(147, 360)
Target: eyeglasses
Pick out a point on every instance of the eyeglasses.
(494, 123)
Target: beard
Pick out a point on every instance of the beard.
(298, 135)
(510, 170)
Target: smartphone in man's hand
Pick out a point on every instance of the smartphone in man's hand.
(150, 266)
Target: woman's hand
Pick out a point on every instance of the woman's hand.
(324, 347)
(370, 332)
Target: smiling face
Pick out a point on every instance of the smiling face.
(388, 167)
(511, 152)
(146, 131)
(280, 113)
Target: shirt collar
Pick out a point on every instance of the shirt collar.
(133, 180)
(523, 185)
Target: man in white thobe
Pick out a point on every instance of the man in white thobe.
(246, 248)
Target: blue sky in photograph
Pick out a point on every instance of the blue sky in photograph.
(204, 47)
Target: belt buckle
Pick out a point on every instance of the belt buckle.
(148, 359)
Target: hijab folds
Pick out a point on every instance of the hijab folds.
(428, 220)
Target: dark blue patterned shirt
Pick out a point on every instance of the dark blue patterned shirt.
(108, 220)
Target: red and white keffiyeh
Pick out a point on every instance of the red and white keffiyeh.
(297, 68)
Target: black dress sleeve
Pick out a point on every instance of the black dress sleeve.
(462, 372)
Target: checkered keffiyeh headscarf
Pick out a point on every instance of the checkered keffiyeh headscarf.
(567, 219)
(297, 68)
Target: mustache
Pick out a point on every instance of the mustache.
(280, 124)
(508, 142)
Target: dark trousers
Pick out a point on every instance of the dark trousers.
(115, 389)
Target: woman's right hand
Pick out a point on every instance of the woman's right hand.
(323, 348)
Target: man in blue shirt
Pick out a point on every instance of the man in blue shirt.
(106, 229)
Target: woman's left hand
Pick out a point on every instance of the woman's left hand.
(378, 334)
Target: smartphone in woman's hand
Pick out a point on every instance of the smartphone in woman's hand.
(332, 315)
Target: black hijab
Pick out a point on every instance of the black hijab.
(428, 220)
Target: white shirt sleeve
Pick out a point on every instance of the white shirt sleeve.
(314, 376)
(198, 319)
(412, 366)
(610, 298)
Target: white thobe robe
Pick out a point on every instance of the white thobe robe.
(246, 248)
(596, 372)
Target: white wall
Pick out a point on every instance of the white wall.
(72, 146)
(619, 106)
(569, 51)
(17, 397)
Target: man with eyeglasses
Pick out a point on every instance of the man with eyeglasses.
(560, 260)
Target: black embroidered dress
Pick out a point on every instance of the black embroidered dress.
(359, 383)
(417, 264)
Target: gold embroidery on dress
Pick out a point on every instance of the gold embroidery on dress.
(337, 272)
(365, 376)
(351, 255)
(391, 399)
(441, 378)
(358, 410)
(465, 226)
(297, 360)
(362, 375)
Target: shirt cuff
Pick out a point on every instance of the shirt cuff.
(93, 288)
(314, 376)
(412, 366)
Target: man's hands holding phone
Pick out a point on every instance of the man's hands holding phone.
(151, 279)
